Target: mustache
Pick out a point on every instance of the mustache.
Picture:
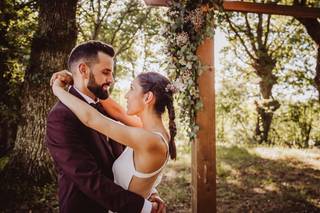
(106, 84)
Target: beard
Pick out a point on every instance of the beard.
(97, 90)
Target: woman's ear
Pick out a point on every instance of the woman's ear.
(148, 97)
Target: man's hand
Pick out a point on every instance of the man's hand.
(158, 205)
(63, 75)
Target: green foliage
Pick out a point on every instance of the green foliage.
(188, 24)
(127, 25)
(16, 28)
(17, 25)
(296, 125)
(234, 115)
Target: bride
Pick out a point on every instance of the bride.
(139, 167)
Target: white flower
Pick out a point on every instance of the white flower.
(182, 38)
(179, 85)
(196, 18)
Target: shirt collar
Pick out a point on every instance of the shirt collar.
(87, 98)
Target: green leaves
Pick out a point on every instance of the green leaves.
(189, 23)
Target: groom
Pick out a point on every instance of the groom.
(83, 157)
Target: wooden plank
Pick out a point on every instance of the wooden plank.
(156, 2)
(266, 8)
(204, 148)
(248, 7)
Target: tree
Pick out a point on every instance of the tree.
(55, 37)
(259, 42)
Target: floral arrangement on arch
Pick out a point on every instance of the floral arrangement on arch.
(190, 21)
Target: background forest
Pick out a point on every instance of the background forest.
(267, 99)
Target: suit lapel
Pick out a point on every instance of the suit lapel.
(103, 138)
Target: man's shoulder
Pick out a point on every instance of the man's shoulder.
(60, 110)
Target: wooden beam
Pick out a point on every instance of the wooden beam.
(269, 8)
(266, 8)
(204, 148)
(156, 2)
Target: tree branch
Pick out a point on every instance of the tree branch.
(266, 35)
(259, 31)
(239, 37)
(250, 34)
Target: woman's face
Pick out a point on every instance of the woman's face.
(135, 99)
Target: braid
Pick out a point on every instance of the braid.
(173, 130)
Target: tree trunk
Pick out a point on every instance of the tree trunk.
(264, 119)
(306, 134)
(266, 107)
(53, 41)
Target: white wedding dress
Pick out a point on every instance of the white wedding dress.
(123, 169)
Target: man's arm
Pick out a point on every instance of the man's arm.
(68, 151)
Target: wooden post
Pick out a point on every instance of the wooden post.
(203, 148)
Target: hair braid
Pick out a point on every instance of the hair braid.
(172, 129)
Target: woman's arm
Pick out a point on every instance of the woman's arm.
(136, 138)
(117, 112)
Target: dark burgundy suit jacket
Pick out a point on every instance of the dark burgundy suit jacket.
(83, 159)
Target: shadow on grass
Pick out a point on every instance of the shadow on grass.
(246, 182)
(249, 183)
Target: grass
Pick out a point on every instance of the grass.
(249, 179)
(267, 179)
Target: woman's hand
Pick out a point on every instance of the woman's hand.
(58, 84)
(64, 75)
(60, 80)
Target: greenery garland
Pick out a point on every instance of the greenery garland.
(190, 21)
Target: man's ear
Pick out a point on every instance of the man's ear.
(149, 97)
(84, 70)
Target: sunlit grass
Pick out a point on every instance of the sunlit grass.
(310, 157)
(266, 179)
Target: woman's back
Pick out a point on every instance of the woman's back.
(127, 175)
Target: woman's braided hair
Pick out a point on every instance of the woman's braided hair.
(163, 91)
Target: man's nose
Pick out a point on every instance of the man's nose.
(110, 79)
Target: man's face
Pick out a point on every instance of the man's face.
(101, 76)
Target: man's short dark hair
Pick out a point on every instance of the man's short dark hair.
(89, 52)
